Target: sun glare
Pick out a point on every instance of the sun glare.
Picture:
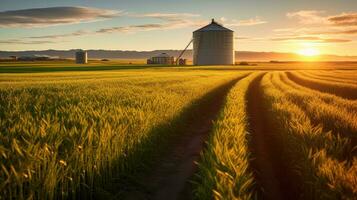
(309, 52)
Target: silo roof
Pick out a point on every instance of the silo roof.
(213, 26)
(163, 55)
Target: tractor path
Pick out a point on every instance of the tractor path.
(271, 173)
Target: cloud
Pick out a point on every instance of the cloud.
(40, 17)
(166, 16)
(344, 19)
(133, 28)
(311, 39)
(308, 16)
(175, 21)
(247, 38)
(335, 32)
(315, 31)
(242, 38)
(168, 21)
(19, 41)
(246, 22)
(315, 17)
(58, 36)
(316, 23)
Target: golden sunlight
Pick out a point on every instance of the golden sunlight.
(309, 52)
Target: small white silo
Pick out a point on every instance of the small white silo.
(213, 45)
(81, 57)
(163, 59)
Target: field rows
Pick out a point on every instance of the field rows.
(278, 134)
(314, 133)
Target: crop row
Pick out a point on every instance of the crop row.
(70, 138)
(317, 132)
(224, 167)
(322, 133)
(344, 90)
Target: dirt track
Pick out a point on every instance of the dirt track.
(270, 170)
(171, 175)
(176, 168)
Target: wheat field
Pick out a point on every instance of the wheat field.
(69, 134)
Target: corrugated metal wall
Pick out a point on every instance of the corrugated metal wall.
(213, 48)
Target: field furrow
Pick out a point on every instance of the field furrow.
(348, 75)
(271, 171)
(348, 91)
(319, 76)
(333, 76)
(323, 177)
(328, 116)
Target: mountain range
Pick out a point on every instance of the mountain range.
(119, 54)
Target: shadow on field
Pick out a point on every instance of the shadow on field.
(39, 69)
(162, 165)
(274, 177)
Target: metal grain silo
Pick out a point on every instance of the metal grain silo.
(213, 45)
(81, 57)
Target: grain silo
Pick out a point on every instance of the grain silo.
(162, 59)
(213, 45)
(81, 57)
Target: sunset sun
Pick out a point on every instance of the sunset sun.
(309, 52)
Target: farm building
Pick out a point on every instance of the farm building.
(163, 59)
(81, 57)
(213, 45)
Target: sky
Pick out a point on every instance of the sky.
(299, 26)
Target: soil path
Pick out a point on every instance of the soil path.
(171, 175)
(270, 170)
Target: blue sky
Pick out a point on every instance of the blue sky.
(260, 25)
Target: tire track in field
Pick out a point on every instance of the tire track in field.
(170, 177)
(270, 170)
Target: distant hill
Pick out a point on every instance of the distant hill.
(118, 54)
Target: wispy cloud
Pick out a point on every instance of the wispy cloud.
(243, 38)
(165, 21)
(58, 36)
(133, 28)
(20, 41)
(175, 21)
(40, 17)
(316, 17)
(168, 21)
(166, 16)
(312, 39)
(317, 25)
(246, 22)
(344, 19)
(308, 16)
